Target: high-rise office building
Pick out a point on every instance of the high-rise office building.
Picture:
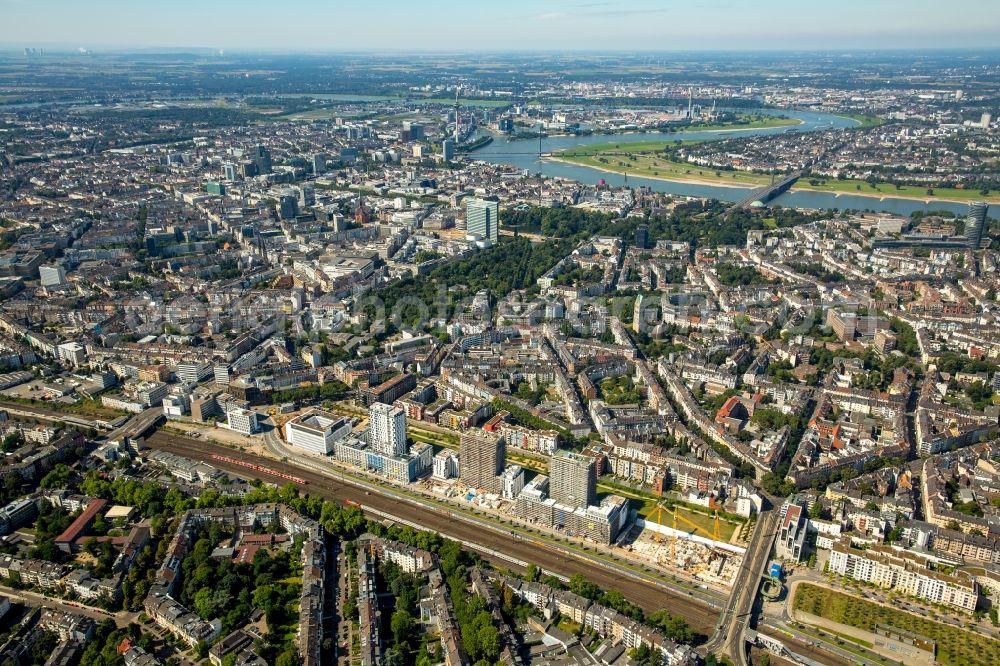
(288, 205)
(481, 460)
(229, 171)
(572, 479)
(975, 222)
(482, 219)
(306, 195)
(416, 130)
(641, 236)
(448, 150)
(247, 169)
(261, 157)
(387, 429)
(319, 164)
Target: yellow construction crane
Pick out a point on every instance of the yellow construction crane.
(673, 543)
(657, 515)
(694, 527)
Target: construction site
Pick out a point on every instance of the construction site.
(667, 538)
(674, 542)
(697, 545)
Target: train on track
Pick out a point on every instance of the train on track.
(260, 468)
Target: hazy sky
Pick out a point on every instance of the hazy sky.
(439, 25)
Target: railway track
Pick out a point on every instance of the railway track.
(649, 597)
(806, 649)
(40, 413)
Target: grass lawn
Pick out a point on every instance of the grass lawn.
(630, 159)
(755, 123)
(431, 437)
(463, 101)
(313, 114)
(889, 190)
(660, 144)
(529, 463)
(850, 638)
(955, 647)
(864, 121)
(569, 626)
(704, 522)
(642, 158)
(825, 635)
(618, 147)
(84, 407)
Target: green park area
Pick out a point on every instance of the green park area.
(955, 647)
(745, 122)
(891, 190)
(85, 407)
(864, 121)
(647, 159)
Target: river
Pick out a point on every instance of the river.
(523, 153)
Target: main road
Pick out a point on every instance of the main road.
(506, 547)
(728, 637)
(121, 618)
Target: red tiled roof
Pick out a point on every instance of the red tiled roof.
(82, 521)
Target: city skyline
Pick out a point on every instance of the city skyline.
(644, 333)
(641, 25)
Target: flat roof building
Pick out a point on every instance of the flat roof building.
(573, 479)
(481, 460)
(482, 219)
(242, 420)
(387, 429)
(52, 276)
(316, 431)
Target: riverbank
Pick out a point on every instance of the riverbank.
(769, 123)
(889, 191)
(751, 181)
(863, 121)
(690, 181)
(684, 180)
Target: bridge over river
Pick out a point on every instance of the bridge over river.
(768, 192)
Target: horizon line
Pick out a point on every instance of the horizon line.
(61, 47)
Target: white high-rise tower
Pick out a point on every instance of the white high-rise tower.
(387, 429)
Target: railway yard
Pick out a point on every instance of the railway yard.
(492, 545)
(650, 596)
